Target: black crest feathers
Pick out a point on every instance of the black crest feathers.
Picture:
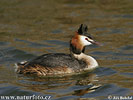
(82, 29)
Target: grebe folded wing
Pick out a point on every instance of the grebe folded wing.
(57, 60)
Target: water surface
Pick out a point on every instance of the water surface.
(29, 28)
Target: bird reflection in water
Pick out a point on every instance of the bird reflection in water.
(91, 84)
(85, 83)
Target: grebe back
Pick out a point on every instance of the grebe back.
(60, 63)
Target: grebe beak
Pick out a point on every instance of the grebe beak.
(96, 43)
(93, 42)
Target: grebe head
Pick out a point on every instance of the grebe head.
(81, 39)
(84, 37)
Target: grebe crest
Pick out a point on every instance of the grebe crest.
(59, 63)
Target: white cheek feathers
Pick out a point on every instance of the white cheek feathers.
(84, 41)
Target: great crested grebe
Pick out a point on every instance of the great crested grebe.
(60, 63)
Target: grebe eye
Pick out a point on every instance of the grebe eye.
(86, 39)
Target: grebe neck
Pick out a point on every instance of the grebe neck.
(90, 61)
(79, 54)
(75, 50)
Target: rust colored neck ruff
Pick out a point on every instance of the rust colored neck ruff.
(76, 47)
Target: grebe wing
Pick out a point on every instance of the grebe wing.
(57, 60)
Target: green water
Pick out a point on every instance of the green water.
(29, 28)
